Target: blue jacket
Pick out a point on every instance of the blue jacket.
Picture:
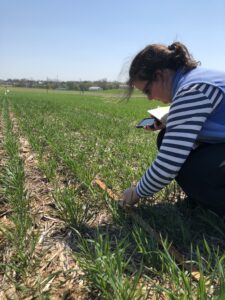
(213, 130)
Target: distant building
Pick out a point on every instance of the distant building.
(95, 88)
(123, 86)
(61, 88)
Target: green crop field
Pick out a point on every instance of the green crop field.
(62, 237)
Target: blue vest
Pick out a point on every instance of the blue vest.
(213, 130)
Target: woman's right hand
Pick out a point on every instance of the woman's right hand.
(157, 126)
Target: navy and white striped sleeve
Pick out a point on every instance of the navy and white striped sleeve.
(188, 112)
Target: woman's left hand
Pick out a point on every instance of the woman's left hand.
(130, 197)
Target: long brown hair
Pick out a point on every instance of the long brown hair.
(158, 56)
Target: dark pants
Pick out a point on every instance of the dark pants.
(202, 176)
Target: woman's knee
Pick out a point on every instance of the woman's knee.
(202, 177)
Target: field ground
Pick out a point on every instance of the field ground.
(61, 237)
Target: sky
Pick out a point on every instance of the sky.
(94, 40)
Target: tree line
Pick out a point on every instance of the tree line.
(64, 85)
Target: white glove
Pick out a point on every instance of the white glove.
(130, 197)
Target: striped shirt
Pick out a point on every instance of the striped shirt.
(188, 112)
